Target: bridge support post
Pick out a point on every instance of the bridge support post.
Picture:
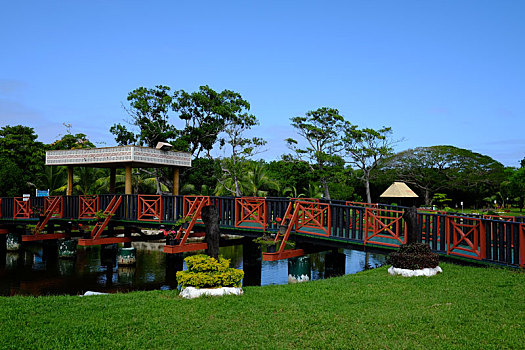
(128, 187)
(112, 180)
(69, 190)
(251, 263)
(334, 263)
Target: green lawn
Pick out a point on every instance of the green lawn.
(465, 307)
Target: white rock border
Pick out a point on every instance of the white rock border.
(192, 292)
(410, 273)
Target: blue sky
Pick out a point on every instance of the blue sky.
(437, 72)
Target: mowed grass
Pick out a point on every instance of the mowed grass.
(465, 307)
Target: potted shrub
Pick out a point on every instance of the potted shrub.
(414, 259)
(268, 244)
(209, 276)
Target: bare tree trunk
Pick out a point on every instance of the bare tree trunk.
(367, 187)
(427, 198)
(210, 217)
(410, 217)
(157, 181)
(238, 191)
(325, 188)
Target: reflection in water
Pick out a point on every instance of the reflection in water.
(36, 270)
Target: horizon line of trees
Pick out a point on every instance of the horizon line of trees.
(330, 157)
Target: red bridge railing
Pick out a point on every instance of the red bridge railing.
(495, 238)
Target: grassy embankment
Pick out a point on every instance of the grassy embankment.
(466, 307)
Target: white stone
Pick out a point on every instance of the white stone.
(298, 279)
(410, 273)
(93, 293)
(192, 292)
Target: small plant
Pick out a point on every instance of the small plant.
(37, 210)
(183, 220)
(207, 272)
(267, 241)
(101, 215)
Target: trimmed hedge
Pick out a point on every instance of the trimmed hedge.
(207, 272)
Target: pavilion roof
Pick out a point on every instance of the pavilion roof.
(399, 190)
(111, 157)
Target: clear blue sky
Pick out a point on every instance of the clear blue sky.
(437, 72)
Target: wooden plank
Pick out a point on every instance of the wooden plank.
(291, 253)
(100, 241)
(189, 247)
(42, 237)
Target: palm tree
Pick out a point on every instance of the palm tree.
(54, 178)
(256, 182)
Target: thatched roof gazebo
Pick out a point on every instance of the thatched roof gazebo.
(400, 190)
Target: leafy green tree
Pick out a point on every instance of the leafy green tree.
(257, 182)
(18, 145)
(322, 131)
(207, 114)
(292, 175)
(517, 185)
(448, 169)
(149, 111)
(12, 176)
(365, 148)
(242, 148)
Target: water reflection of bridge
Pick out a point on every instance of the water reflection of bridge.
(312, 223)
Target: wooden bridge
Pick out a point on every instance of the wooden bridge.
(489, 238)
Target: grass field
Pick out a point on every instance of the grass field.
(463, 308)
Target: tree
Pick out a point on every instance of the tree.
(448, 169)
(517, 185)
(241, 148)
(18, 145)
(365, 148)
(70, 141)
(257, 182)
(322, 130)
(149, 110)
(207, 114)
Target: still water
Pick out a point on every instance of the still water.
(37, 270)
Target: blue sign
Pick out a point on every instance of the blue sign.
(42, 193)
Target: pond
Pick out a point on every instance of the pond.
(37, 270)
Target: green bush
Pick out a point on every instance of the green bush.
(206, 272)
(205, 263)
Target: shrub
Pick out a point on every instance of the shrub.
(207, 272)
(205, 263)
(414, 256)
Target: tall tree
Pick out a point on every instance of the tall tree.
(322, 130)
(149, 111)
(365, 148)
(241, 148)
(207, 113)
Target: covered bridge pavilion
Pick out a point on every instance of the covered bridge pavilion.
(126, 157)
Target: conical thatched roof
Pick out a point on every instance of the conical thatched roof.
(399, 190)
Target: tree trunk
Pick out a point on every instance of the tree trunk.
(238, 191)
(427, 198)
(157, 181)
(210, 217)
(410, 217)
(367, 187)
(325, 188)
